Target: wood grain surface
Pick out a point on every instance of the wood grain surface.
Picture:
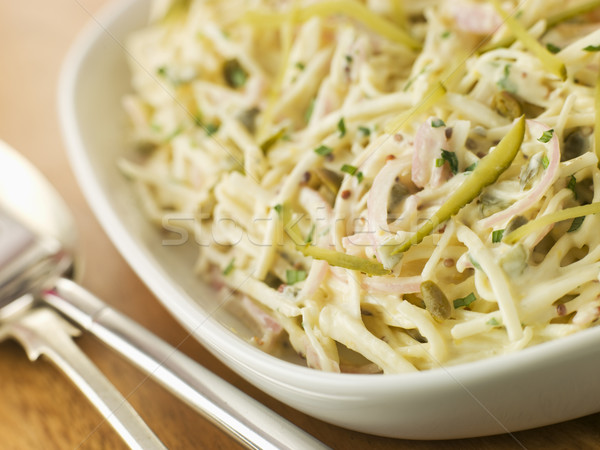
(39, 408)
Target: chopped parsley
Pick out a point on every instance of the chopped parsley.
(471, 168)
(465, 301)
(162, 71)
(176, 132)
(592, 48)
(311, 233)
(412, 80)
(294, 276)
(347, 168)
(309, 110)
(545, 162)
(546, 136)
(576, 224)
(571, 185)
(352, 170)
(279, 208)
(365, 131)
(341, 126)
(197, 118)
(493, 322)
(552, 48)
(229, 267)
(505, 83)
(349, 59)
(323, 150)
(173, 77)
(474, 262)
(450, 158)
(436, 123)
(300, 65)
(497, 236)
(446, 34)
(210, 128)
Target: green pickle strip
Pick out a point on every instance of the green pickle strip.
(487, 171)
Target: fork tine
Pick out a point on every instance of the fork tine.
(42, 331)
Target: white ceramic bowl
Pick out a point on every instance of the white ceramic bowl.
(538, 386)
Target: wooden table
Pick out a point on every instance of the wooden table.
(39, 408)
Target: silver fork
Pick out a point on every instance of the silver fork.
(25, 260)
(37, 256)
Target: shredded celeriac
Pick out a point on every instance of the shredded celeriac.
(309, 140)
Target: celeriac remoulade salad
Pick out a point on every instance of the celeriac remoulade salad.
(383, 185)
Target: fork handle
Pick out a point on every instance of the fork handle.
(250, 422)
(43, 332)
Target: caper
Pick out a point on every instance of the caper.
(531, 110)
(584, 190)
(330, 179)
(515, 222)
(414, 299)
(234, 74)
(576, 144)
(507, 105)
(531, 170)
(397, 194)
(247, 117)
(435, 300)
(414, 333)
(514, 261)
(490, 204)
